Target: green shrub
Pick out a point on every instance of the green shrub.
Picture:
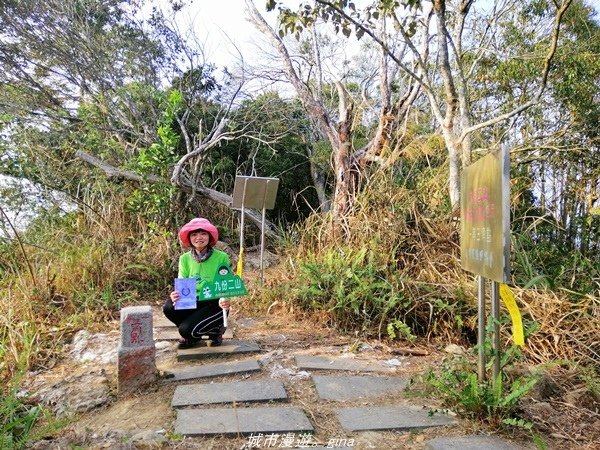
(21, 422)
(363, 291)
(16, 418)
(493, 400)
(353, 285)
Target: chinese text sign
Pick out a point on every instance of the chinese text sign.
(484, 237)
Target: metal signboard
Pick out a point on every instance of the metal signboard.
(255, 192)
(485, 217)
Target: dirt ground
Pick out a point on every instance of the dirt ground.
(564, 419)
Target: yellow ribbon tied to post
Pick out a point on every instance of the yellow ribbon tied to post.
(240, 264)
(515, 315)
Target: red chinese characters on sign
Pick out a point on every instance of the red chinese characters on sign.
(135, 333)
(484, 237)
(480, 208)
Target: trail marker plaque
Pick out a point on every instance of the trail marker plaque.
(257, 193)
(485, 238)
(485, 217)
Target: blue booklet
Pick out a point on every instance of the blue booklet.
(187, 291)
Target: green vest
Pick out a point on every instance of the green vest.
(207, 270)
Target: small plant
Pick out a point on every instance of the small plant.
(591, 378)
(493, 400)
(17, 422)
(349, 284)
(397, 328)
(18, 419)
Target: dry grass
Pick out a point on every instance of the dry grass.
(568, 329)
(84, 268)
(417, 249)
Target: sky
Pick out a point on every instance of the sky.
(221, 26)
(218, 24)
(225, 35)
(224, 31)
(219, 21)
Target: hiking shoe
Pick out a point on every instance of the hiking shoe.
(217, 339)
(187, 343)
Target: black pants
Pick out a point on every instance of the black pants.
(206, 319)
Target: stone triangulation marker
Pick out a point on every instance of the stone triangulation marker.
(136, 355)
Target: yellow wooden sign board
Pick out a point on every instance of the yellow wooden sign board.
(485, 234)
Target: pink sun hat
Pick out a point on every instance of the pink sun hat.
(198, 224)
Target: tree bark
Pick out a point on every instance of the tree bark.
(348, 166)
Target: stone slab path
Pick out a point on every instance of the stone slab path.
(237, 391)
(160, 321)
(398, 418)
(247, 406)
(228, 348)
(469, 443)
(344, 388)
(234, 421)
(166, 334)
(213, 370)
(310, 362)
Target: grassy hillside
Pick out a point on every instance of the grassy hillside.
(393, 275)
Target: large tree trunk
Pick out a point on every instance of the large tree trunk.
(348, 165)
(454, 170)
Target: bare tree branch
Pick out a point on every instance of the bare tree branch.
(219, 197)
(314, 107)
(545, 73)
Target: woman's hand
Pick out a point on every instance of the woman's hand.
(174, 296)
(224, 303)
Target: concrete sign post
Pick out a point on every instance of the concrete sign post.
(485, 237)
(255, 193)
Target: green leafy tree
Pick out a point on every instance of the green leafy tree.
(76, 77)
(279, 147)
(440, 65)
